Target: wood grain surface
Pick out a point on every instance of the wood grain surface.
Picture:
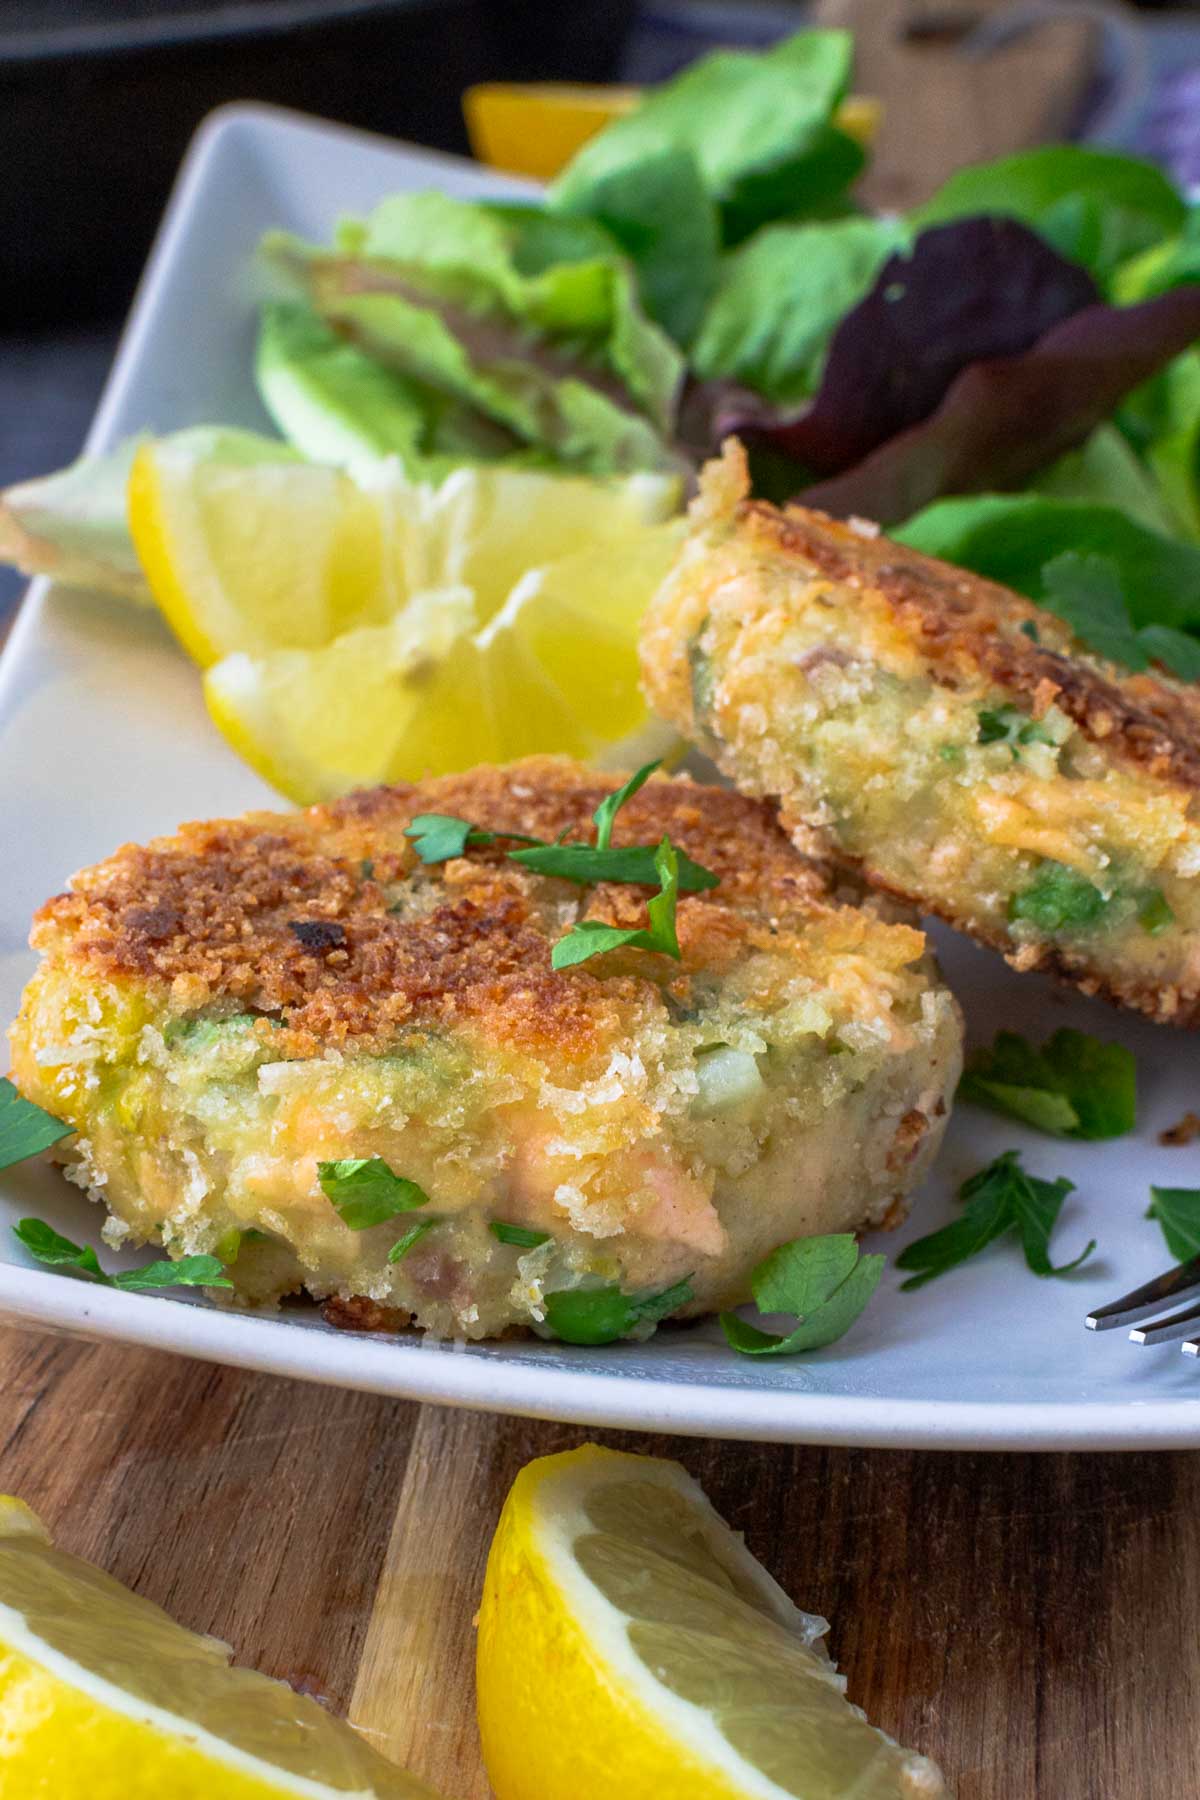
(1028, 1620)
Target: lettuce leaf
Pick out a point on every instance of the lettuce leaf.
(440, 291)
(659, 211)
(781, 297)
(1095, 207)
(758, 126)
(71, 526)
(1013, 537)
(337, 405)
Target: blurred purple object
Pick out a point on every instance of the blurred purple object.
(1172, 131)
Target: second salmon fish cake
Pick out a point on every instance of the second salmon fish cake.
(942, 736)
(286, 1040)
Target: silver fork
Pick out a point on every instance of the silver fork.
(1150, 1298)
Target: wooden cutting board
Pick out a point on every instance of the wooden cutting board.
(1028, 1620)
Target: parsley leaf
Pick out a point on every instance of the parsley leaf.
(998, 1199)
(601, 1315)
(1058, 899)
(517, 1234)
(1074, 1086)
(1178, 1212)
(590, 937)
(1177, 651)
(1009, 725)
(367, 1192)
(1154, 912)
(58, 1252)
(586, 863)
(25, 1128)
(609, 807)
(1085, 592)
(822, 1281)
(407, 1239)
(437, 837)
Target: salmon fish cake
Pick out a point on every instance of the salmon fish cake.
(942, 736)
(228, 1014)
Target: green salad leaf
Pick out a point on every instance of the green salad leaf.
(25, 1129)
(782, 295)
(1085, 592)
(1013, 537)
(1096, 207)
(822, 1282)
(657, 208)
(1178, 1212)
(759, 127)
(58, 1252)
(999, 1199)
(440, 291)
(366, 1191)
(1075, 1085)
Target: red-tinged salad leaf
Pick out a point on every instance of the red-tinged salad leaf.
(1095, 206)
(1004, 418)
(966, 293)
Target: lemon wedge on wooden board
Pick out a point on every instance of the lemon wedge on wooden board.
(104, 1697)
(630, 1644)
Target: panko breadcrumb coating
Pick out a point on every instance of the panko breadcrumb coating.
(943, 737)
(222, 1011)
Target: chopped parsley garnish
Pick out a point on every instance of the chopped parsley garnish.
(407, 1239)
(1074, 1086)
(999, 1199)
(438, 836)
(1154, 914)
(25, 1129)
(1009, 725)
(42, 1241)
(601, 1315)
(367, 1192)
(635, 864)
(1178, 1212)
(591, 937)
(520, 1235)
(1059, 899)
(822, 1282)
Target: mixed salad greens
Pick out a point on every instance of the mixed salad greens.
(1009, 374)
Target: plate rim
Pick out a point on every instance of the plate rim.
(477, 1376)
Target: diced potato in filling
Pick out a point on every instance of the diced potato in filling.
(241, 1017)
(943, 736)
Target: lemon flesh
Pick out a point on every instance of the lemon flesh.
(554, 669)
(104, 1697)
(629, 1643)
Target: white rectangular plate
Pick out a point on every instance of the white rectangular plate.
(104, 738)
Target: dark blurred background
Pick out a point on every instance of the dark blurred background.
(98, 99)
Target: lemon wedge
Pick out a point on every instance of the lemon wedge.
(553, 670)
(246, 546)
(630, 1644)
(104, 1697)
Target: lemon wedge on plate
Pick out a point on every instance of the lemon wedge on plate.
(553, 670)
(246, 546)
(104, 1697)
(630, 1644)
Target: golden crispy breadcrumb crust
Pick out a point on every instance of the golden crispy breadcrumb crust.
(297, 917)
(970, 627)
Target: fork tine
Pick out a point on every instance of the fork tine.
(1149, 1298)
(1161, 1331)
